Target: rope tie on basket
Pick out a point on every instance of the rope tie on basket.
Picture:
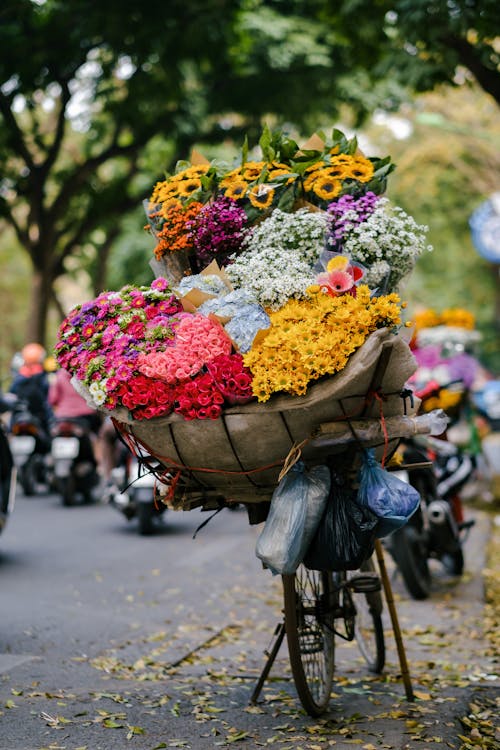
(377, 395)
(137, 446)
(294, 455)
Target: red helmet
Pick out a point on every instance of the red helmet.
(33, 354)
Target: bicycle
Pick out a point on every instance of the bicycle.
(319, 606)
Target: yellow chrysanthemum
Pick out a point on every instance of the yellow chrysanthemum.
(458, 317)
(315, 337)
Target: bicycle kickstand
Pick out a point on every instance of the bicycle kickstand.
(279, 634)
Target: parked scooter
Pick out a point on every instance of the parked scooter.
(487, 405)
(30, 447)
(75, 470)
(7, 469)
(134, 494)
(438, 529)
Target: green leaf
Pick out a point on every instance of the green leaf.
(244, 151)
(237, 736)
(111, 724)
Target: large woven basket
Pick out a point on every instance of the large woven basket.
(239, 456)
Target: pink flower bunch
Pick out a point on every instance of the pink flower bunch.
(137, 349)
(340, 277)
(100, 342)
(198, 340)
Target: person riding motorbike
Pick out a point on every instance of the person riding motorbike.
(67, 404)
(31, 386)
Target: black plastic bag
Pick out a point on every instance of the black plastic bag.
(345, 536)
(390, 498)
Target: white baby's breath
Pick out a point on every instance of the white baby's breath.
(277, 261)
(389, 240)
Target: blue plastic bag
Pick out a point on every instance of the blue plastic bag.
(296, 509)
(390, 498)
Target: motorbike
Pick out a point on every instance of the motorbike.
(30, 448)
(133, 493)
(486, 402)
(75, 469)
(438, 470)
(7, 471)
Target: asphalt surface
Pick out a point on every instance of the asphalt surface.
(111, 640)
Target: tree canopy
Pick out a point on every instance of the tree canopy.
(96, 101)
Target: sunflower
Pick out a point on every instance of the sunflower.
(261, 196)
(188, 187)
(167, 205)
(338, 171)
(326, 188)
(251, 170)
(310, 180)
(361, 170)
(285, 171)
(315, 167)
(236, 190)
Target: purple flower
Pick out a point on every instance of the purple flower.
(217, 231)
(346, 212)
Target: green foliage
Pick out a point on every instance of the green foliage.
(97, 101)
(446, 168)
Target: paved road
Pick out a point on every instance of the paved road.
(111, 640)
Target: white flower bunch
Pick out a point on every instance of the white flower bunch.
(278, 256)
(387, 243)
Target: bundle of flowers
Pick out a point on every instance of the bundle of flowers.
(289, 263)
(139, 350)
(245, 217)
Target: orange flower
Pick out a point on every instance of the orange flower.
(174, 235)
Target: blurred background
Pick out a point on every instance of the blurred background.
(99, 101)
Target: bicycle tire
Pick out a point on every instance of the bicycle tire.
(309, 626)
(368, 626)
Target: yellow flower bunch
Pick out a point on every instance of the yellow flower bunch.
(243, 182)
(456, 317)
(325, 178)
(314, 337)
(446, 400)
(459, 318)
(181, 186)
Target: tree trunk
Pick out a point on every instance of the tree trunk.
(41, 290)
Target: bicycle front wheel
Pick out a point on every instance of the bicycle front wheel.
(309, 598)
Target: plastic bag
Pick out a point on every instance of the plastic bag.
(345, 536)
(296, 509)
(390, 498)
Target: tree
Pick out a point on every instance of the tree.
(423, 43)
(100, 84)
(96, 101)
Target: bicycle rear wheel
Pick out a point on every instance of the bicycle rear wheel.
(368, 628)
(309, 598)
